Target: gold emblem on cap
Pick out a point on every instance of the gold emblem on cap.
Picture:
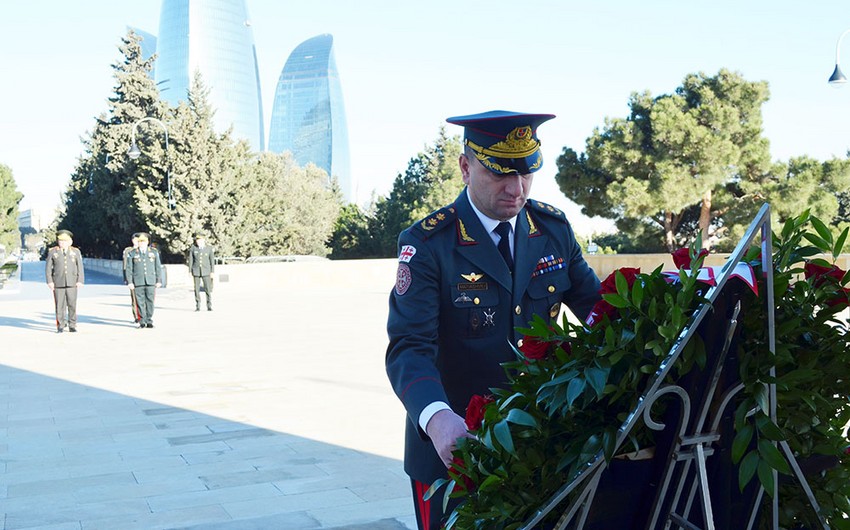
(472, 277)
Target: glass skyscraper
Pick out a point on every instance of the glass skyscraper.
(308, 116)
(215, 38)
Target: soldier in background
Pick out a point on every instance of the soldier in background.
(133, 305)
(202, 265)
(64, 276)
(144, 275)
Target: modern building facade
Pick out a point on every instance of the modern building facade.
(213, 37)
(308, 115)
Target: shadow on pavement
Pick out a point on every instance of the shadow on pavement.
(78, 455)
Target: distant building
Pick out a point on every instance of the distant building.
(308, 115)
(32, 221)
(215, 38)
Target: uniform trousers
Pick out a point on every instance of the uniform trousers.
(207, 281)
(144, 299)
(429, 514)
(66, 306)
(134, 306)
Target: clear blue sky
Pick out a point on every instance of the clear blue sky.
(406, 66)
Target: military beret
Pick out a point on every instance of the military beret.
(504, 141)
(64, 235)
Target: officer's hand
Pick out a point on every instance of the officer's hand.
(79, 284)
(158, 284)
(50, 285)
(131, 286)
(444, 428)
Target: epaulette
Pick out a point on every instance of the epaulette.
(546, 208)
(436, 221)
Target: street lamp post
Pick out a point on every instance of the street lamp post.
(134, 153)
(838, 78)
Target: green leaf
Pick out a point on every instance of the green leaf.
(615, 300)
(434, 487)
(769, 429)
(574, 390)
(765, 473)
(819, 242)
(761, 398)
(521, 417)
(747, 469)
(503, 435)
(597, 378)
(741, 442)
(622, 284)
(637, 292)
(770, 454)
(839, 243)
(823, 231)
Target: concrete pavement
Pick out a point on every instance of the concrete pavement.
(271, 412)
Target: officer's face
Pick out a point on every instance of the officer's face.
(497, 196)
(64, 243)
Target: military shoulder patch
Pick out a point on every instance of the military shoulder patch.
(436, 221)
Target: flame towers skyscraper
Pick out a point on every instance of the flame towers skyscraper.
(215, 38)
(308, 116)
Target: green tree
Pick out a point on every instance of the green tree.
(672, 159)
(288, 210)
(351, 238)
(432, 180)
(100, 205)
(10, 197)
(203, 168)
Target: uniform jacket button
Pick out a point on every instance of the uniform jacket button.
(518, 310)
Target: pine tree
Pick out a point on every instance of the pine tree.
(100, 202)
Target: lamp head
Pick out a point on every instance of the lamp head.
(837, 78)
(134, 151)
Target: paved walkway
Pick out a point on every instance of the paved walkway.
(271, 412)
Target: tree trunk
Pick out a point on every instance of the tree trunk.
(705, 218)
(668, 231)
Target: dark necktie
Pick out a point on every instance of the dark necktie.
(504, 231)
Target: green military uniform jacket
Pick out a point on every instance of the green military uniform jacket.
(144, 268)
(65, 269)
(456, 303)
(201, 260)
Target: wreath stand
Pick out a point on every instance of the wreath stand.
(691, 490)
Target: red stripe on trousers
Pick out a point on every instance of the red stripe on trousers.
(424, 506)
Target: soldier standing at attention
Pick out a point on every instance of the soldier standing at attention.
(202, 265)
(133, 305)
(468, 275)
(64, 276)
(144, 275)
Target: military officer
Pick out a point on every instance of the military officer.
(202, 265)
(468, 275)
(65, 275)
(144, 275)
(133, 305)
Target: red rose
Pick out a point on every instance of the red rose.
(475, 411)
(841, 298)
(610, 284)
(534, 348)
(682, 257)
(601, 308)
(458, 468)
(820, 273)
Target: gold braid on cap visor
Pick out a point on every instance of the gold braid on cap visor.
(518, 144)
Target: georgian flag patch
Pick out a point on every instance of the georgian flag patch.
(406, 254)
